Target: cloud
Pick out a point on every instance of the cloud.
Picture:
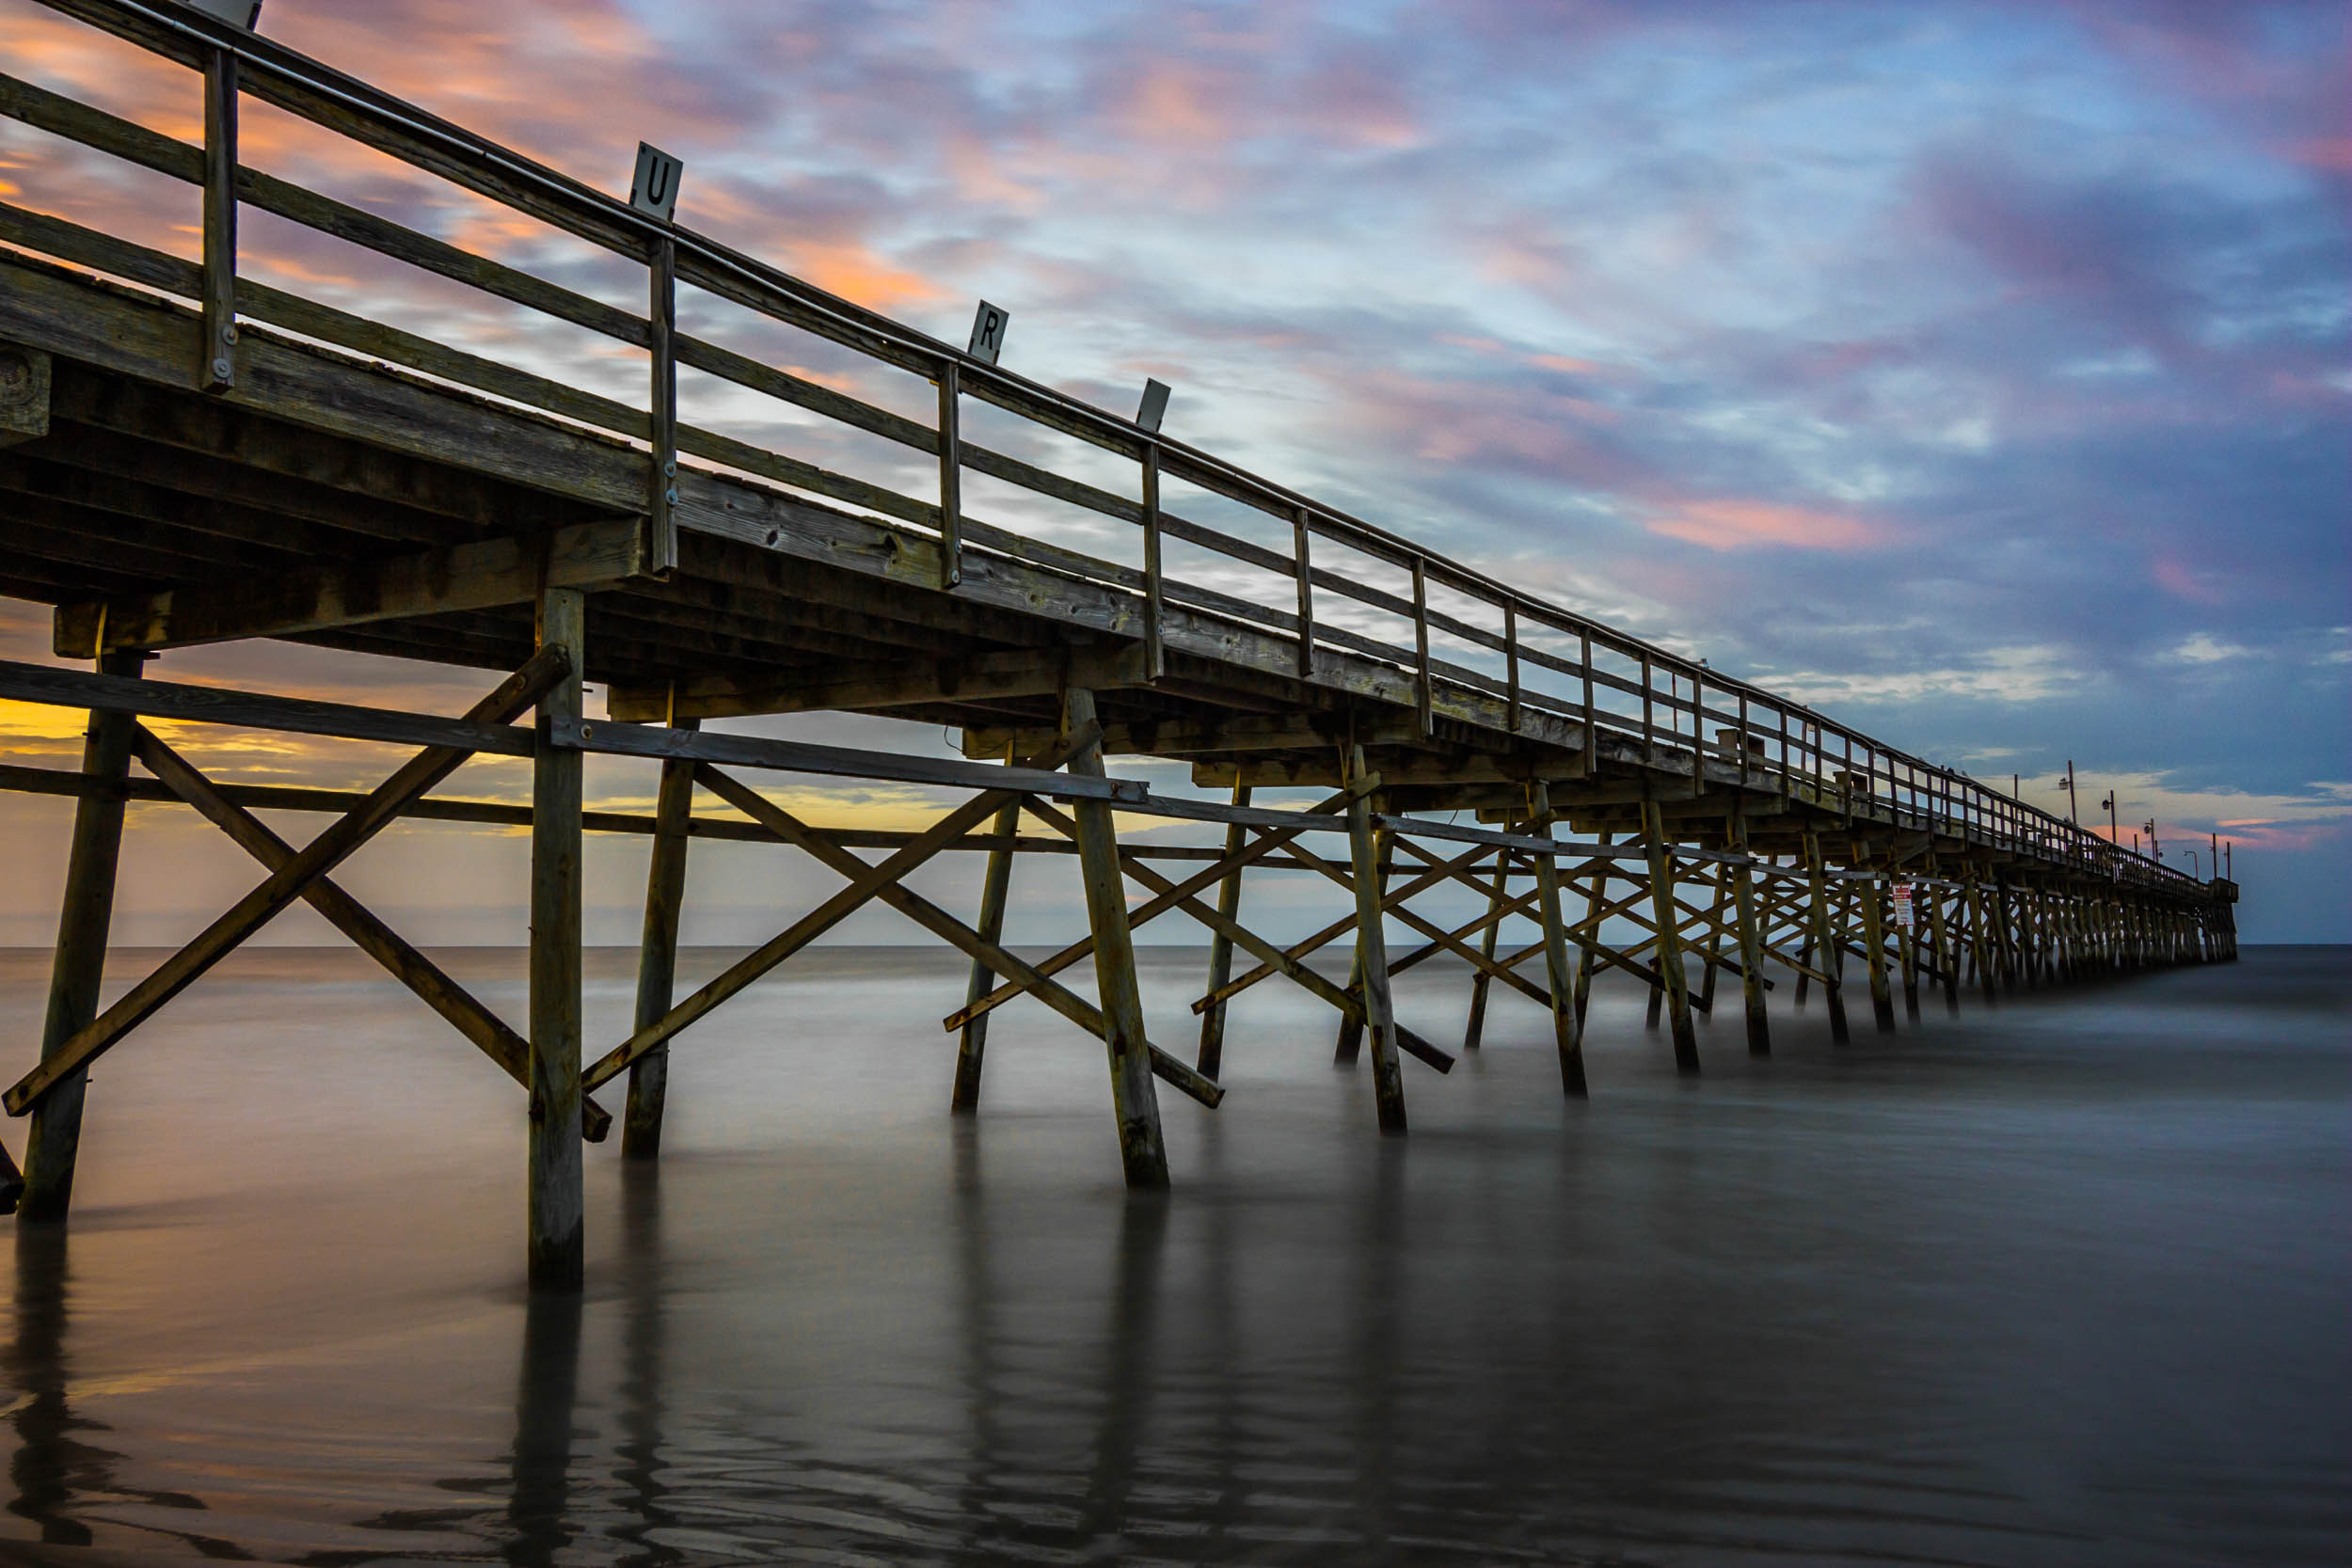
(1732, 524)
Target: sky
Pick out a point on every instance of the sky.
(1977, 371)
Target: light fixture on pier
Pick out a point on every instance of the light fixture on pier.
(1154, 404)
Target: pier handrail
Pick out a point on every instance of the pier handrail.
(1780, 742)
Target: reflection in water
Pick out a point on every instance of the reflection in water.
(57, 1476)
(537, 1510)
(1859, 1306)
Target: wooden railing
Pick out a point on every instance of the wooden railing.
(1537, 657)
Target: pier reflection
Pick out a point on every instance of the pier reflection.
(55, 1474)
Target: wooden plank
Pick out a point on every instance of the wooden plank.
(77, 967)
(431, 984)
(321, 855)
(484, 575)
(41, 683)
(1136, 1106)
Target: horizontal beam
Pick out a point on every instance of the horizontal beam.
(485, 575)
(800, 756)
(982, 677)
(212, 705)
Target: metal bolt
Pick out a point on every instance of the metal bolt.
(229, 332)
(669, 470)
(670, 495)
(221, 367)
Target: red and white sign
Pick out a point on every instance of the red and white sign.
(1904, 916)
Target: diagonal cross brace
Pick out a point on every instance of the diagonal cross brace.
(421, 974)
(1170, 897)
(945, 926)
(867, 883)
(333, 846)
(1346, 1001)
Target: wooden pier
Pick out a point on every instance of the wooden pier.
(189, 457)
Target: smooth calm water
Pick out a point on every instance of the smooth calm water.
(2064, 1281)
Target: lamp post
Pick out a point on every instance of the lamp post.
(2155, 850)
(2071, 815)
(2192, 863)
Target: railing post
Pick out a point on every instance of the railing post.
(1422, 695)
(1511, 666)
(950, 479)
(218, 351)
(1303, 570)
(1584, 646)
(661, 545)
(1154, 654)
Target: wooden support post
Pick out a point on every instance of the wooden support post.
(1942, 943)
(1827, 941)
(1591, 925)
(1669, 934)
(80, 961)
(1132, 1094)
(657, 954)
(217, 346)
(1567, 1033)
(1211, 1060)
(1907, 951)
(556, 1206)
(1979, 954)
(996, 887)
(1874, 943)
(1372, 950)
(1657, 1008)
(1714, 941)
(1751, 940)
(1480, 982)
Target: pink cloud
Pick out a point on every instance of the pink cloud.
(1738, 524)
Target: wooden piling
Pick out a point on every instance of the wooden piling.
(1133, 1099)
(1751, 941)
(1594, 898)
(1568, 1030)
(1366, 855)
(1661, 887)
(657, 954)
(971, 1039)
(1212, 1059)
(556, 1208)
(79, 964)
(1476, 1026)
(1874, 943)
(1827, 939)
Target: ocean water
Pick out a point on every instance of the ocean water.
(2064, 1281)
